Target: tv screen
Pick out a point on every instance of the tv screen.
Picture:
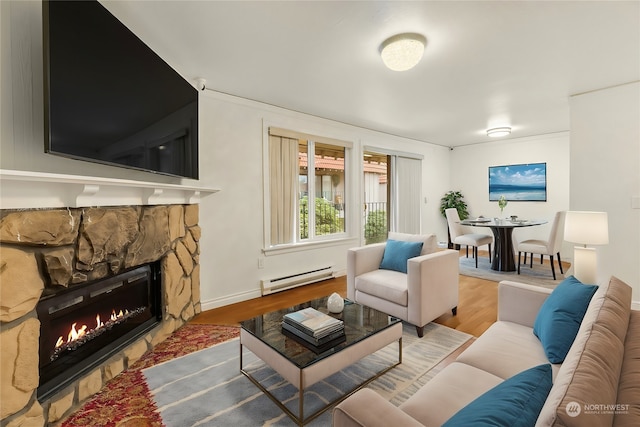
(526, 182)
(110, 99)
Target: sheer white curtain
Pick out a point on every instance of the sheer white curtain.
(283, 179)
(406, 191)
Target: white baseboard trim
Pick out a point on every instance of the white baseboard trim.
(244, 296)
(229, 299)
(635, 305)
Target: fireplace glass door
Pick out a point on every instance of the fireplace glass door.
(84, 325)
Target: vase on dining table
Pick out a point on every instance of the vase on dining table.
(502, 203)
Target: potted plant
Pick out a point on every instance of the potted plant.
(454, 199)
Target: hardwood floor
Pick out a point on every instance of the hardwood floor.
(477, 307)
(233, 314)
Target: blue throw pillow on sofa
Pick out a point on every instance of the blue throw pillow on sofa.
(560, 316)
(396, 254)
(516, 402)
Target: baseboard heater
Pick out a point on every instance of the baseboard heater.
(292, 281)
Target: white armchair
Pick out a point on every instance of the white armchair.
(426, 291)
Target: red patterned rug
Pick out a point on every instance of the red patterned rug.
(125, 401)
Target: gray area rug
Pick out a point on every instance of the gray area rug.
(539, 275)
(205, 388)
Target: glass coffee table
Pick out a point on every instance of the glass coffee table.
(366, 331)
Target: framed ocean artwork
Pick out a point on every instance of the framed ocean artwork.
(520, 183)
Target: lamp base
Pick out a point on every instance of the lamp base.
(585, 264)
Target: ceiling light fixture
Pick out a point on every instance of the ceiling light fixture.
(497, 132)
(402, 51)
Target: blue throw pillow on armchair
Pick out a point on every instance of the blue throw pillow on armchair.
(397, 253)
(560, 316)
(516, 402)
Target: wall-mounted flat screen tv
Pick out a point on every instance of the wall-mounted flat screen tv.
(525, 182)
(110, 99)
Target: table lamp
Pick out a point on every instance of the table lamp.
(586, 228)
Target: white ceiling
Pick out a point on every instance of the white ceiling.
(487, 63)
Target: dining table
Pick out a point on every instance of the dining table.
(503, 251)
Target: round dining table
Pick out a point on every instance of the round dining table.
(503, 251)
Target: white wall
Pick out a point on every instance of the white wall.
(231, 159)
(232, 133)
(595, 166)
(470, 175)
(605, 174)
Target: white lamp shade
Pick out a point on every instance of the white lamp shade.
(586, 228)
(402, 51)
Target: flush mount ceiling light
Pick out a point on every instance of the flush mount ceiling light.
(402, 51)
(497, 132)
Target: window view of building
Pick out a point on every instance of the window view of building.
(307, 187)
(327, 174)
(392, 188)
(376, 197)
(308, 184)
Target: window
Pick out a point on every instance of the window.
(307, 186)
(376, 196)
(392, 193)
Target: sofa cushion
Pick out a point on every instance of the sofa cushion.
(516, 402)
(560, 316)
(596, 377)
(505, 349)
(628, 390)
(397, 253)
(568, 367)
(429, 241)
(579, 379)
(447, 392)
(388, 285)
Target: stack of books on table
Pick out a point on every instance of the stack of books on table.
(314, 328)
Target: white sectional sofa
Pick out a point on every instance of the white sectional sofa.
(597, 384)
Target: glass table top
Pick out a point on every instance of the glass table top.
(502, 223)
(360, 322)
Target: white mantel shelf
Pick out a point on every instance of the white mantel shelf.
(32, 190)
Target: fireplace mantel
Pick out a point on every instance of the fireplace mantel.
(27, 189)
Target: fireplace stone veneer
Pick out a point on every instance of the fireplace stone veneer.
(43, 251)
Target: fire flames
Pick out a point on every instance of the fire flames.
(77, 333)
(78, 337)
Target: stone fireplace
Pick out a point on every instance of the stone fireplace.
(44, 252)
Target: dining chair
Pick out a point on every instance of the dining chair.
(549, 247)
(459, 237)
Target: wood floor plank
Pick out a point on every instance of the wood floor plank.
(233, 314)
